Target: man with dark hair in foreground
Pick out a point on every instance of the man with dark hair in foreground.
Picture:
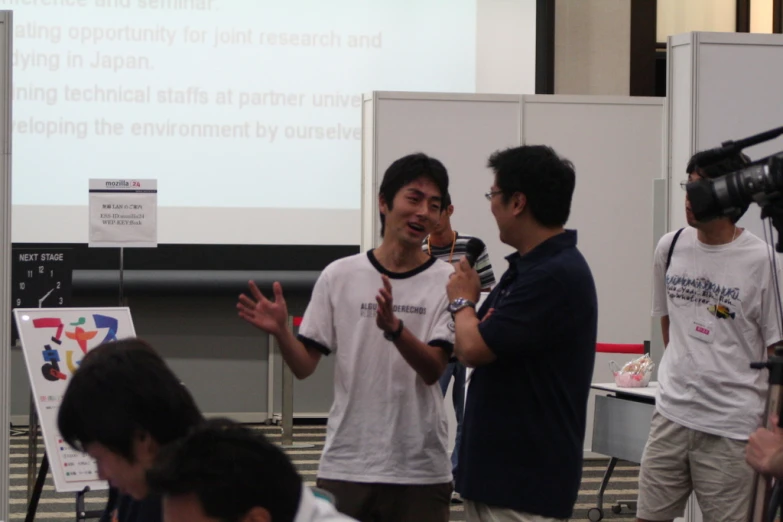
(122, 405)
(225, 472)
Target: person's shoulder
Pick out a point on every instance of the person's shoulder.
(464, 238)
(441, 269)
(347, 263)
(667, 239)
(750, 242)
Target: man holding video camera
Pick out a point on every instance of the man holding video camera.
(713, 290)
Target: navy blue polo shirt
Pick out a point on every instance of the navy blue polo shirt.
(525, 414)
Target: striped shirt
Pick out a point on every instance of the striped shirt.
(483, 266)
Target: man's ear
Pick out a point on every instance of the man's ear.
(257, 514)
(518, 203)
(382, 206)
(449, 210)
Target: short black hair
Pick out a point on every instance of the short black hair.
(407, 170)
(445, 201)
(546, 180)
(706, 164)
(230, 469)
(122, 390)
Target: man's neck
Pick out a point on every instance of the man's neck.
(442, 238)
(535, 237)
(395, 256)
(718, 233)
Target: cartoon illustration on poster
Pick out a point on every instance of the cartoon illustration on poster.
(54, 342)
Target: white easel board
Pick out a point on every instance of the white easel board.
(54, 341)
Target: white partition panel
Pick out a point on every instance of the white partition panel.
(722, 86)
(616, 145)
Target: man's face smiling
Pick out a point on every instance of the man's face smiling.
(414, 212)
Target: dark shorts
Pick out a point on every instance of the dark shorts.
(390, 502)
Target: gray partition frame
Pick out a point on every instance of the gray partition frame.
(6, 33)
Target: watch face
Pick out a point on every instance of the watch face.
(455, 305)
(41, 278)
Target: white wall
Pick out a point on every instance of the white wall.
(506, 46)
(679, 16)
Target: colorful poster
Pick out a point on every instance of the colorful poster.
(54, 341)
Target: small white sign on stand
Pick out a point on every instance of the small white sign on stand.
(54, 341)
(123, 213)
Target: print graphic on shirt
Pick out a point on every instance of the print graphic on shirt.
(683, 289)
(721, 312)
(371, 309)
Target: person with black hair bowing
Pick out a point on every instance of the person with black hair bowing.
(122, 405)
(224, 471)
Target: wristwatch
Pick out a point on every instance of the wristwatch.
(460, 303)
(393, 336)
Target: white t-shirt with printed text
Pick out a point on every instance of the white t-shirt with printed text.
(386, 424)
(728, 291)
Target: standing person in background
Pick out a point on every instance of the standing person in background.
(449, 245)
(714, 291)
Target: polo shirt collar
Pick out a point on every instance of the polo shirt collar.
(548, 248)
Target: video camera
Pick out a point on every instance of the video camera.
(759, 182)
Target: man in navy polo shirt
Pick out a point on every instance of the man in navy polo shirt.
(532, 345)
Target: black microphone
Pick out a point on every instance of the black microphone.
(730, 148)
(473, 250)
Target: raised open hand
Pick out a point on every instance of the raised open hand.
(385, 318)
(269, 316)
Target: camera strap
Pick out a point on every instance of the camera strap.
(671, 248)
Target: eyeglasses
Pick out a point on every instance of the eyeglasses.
(489, 195)
(684, 184)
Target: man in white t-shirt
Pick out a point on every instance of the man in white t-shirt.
(384, 315)
(713, 290)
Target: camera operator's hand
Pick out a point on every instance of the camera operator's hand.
(764, 452)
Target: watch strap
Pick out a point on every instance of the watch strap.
(393, 336)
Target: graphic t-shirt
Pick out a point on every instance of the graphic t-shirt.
(386, 424)
(722, 316)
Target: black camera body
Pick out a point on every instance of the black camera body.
(760, 182)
